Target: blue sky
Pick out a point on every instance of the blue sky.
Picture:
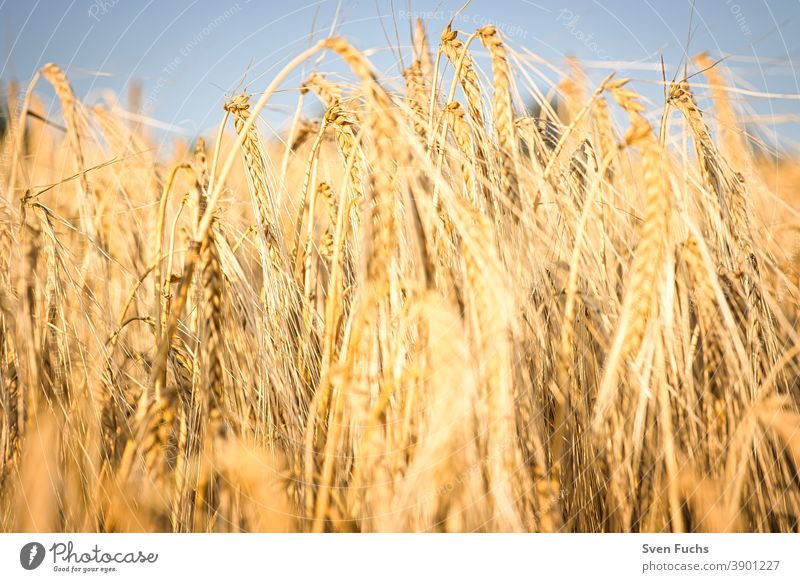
(189, 55)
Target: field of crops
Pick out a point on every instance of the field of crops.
(452, 302)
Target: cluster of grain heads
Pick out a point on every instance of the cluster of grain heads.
(425, 310)
(280, 291)
(462, 62)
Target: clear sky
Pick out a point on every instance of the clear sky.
(189, 54)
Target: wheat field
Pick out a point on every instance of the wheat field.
(449, 303)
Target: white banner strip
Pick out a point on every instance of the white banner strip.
(402, 557)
